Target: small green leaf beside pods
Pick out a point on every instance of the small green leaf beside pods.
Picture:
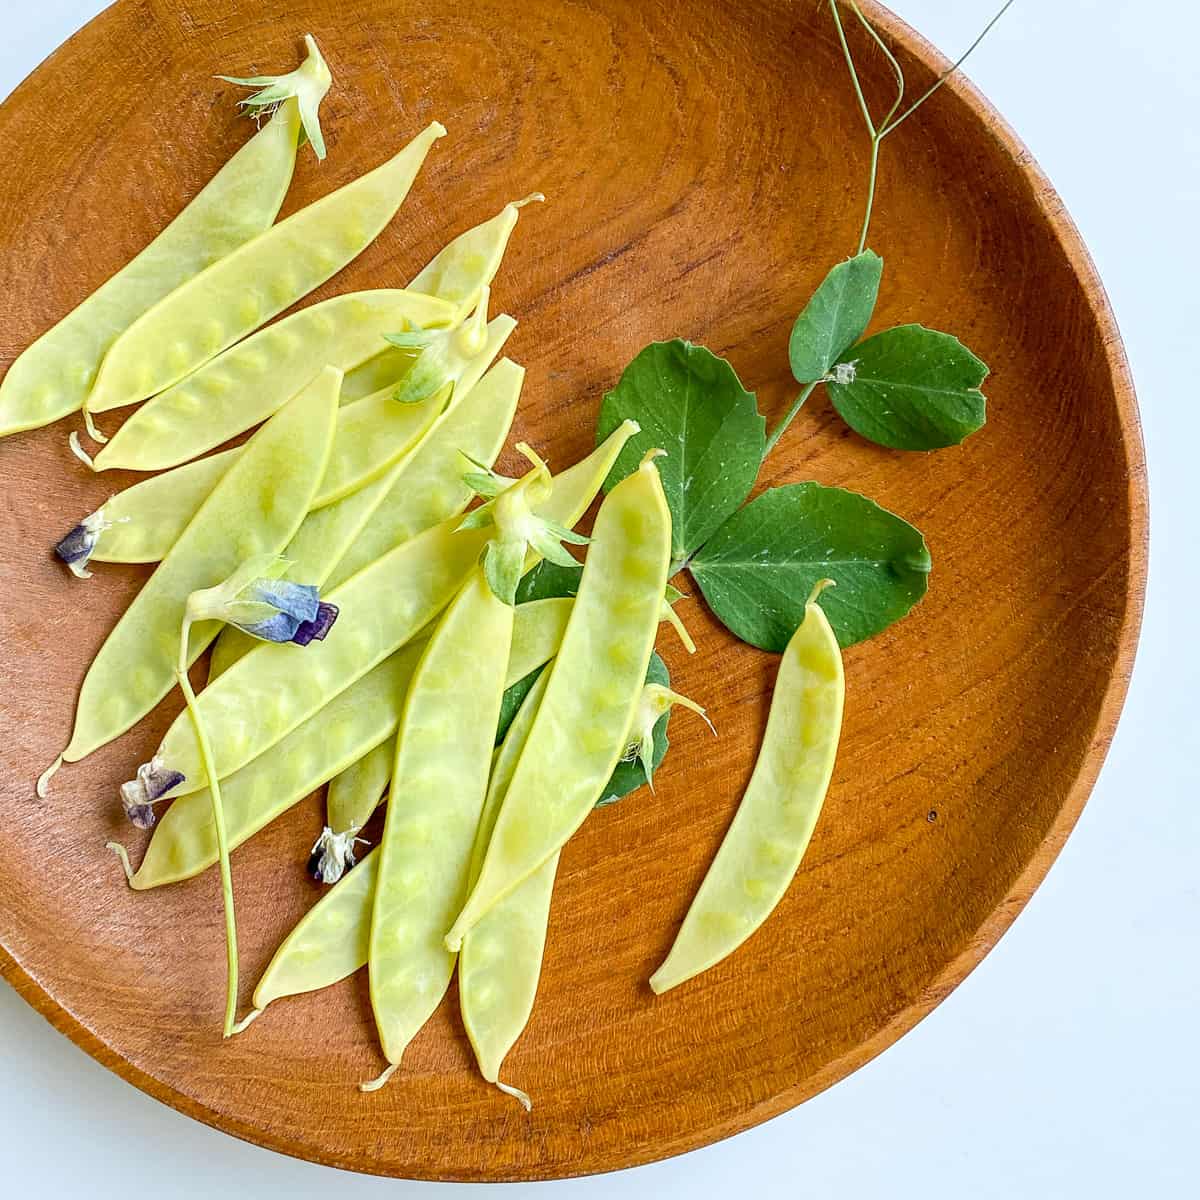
(836, 316)
(759, 568)
(910, 388)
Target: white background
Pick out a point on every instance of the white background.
(1067, 1064)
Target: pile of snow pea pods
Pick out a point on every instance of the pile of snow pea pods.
(354, 567)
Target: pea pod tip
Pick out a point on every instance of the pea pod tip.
(516, 1093)
(373, 1085)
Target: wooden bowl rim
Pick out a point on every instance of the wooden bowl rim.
(959, 90)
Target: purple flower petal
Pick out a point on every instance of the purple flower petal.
(316, 629)
(141, 815)
(279, 627)
(299, 600)
(152, 782)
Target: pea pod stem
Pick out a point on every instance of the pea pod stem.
(373, 1085)
(218, 815)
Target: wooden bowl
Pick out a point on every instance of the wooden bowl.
(705, 165)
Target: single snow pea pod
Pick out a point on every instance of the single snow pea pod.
(595, 683)
(141, 523)
(501, 958)
(328, 944)
(443, 756)
(267, 693)
(468, 264)
(433, 478)
(375, 432)
(356, 793)
(52, 377)
(255, 509)
(250, 381)
(479, 422)
(259, 279)
(770, 832)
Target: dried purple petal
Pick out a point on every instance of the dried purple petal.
(77, 548)
(316, 629)
(141, 815)
(152, 782)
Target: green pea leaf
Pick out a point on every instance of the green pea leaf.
(910, 388)
(691, 404)
(548, 580)
(512, 700)
(757, 571)
(629, 776)
(835, 318)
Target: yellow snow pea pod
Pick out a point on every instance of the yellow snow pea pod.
(762, 849)
(328, 944)
(443, 755)
(469, 263)
(143, 522)
(582, 727)
(261, 278)
(358, 791)
(501, 958)
(431, 473)
(250, 381)
(382, 606)
(255, 509)
(52, 377)
(457, 274)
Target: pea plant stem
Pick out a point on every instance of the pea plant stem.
(218, 812)
(878, 131)
(788, 418)
(874, 172)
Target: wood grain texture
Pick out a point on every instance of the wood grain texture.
(704, 164)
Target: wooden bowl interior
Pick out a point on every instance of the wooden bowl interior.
(705, 164)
